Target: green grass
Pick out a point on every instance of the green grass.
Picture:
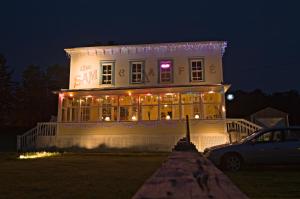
(269, 182)
(77, 175)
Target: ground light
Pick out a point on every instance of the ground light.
(34, 155)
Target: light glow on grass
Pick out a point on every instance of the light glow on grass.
(34, 155)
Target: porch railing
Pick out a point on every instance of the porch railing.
(28, 140)
(240, 128)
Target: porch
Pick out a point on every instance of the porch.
(140, 135)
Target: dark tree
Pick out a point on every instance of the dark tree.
(32, 97)
(6, 93)
(57, 78)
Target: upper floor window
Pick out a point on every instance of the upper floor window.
(165, 71)
(137, 72)
(196, 70)
(107, 76)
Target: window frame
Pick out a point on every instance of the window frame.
(171, 71)
(112, 63)
(131, 62)
(191, 69)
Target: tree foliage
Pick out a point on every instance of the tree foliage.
(6, 92)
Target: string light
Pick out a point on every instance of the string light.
(150, 48)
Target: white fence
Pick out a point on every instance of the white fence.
(28, 140)
(240, 128)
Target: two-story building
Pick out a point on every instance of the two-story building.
(138, 96)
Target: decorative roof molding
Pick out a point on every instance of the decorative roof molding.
(149, 48)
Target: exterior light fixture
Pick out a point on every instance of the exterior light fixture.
(89, 96)
(133, 118)
(210, 92)
(223, 108)
(70, 95)
(165, 105)
(168, 117)
(230, 97)
(197, 116)
(107, 119)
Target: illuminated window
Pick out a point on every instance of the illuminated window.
(196, 70)
(107, 69)
(149, 107)
(191, 105)
(85, 109)
(137, 70)
(165, 71)
(128, 108)
(212, 105)
(169, 106)
(108, 108)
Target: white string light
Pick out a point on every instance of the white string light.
(151, 48)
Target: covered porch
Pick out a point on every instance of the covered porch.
(142, 104)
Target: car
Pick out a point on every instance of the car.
(266, 146)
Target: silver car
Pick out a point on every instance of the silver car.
(266, 146)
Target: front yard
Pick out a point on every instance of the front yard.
(76, 175)
(116, 176)
(269, 182)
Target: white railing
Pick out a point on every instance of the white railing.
(28, 140)
(241, 128)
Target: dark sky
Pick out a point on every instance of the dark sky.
(263, 36)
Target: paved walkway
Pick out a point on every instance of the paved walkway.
(188, 175)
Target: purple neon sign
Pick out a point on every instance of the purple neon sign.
(165, 64)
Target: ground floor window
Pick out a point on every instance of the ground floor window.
(145, 107)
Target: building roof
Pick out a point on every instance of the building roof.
(269, 112)
(152, 47)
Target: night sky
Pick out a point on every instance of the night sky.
(263, 36)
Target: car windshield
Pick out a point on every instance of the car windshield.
(246, 139)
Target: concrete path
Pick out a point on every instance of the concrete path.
(188, 175)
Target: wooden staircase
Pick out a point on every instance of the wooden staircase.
(240, 128)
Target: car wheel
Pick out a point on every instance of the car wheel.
(232, 162)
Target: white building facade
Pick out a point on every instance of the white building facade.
(138, 96)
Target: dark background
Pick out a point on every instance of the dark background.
(263, 36)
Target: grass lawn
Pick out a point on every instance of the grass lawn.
(269, 182)
(76, 175)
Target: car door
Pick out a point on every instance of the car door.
(291, 150)
(263, 149)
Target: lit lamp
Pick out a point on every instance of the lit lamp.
(165, 65)
(197, 116)
(230, 97)
(107, 119)
(133, 118)
(168, 117)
